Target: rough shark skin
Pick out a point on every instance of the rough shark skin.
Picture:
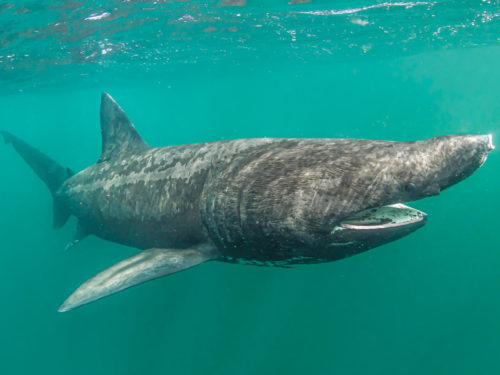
(260, 201)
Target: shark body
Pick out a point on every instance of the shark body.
(262, 201)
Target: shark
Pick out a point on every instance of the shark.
(263, 201)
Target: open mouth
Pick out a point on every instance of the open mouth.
(395, 215)
(376, 226)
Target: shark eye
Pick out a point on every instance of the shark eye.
(410, 187)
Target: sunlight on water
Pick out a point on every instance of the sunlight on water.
(71, 39)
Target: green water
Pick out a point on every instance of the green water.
(187, 72)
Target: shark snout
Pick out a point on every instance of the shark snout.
(487, 141)
(462, 155)
(483, 143)
(491, 146)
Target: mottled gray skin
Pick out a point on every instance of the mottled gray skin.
(263, 200)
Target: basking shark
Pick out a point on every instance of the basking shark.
(276, 202)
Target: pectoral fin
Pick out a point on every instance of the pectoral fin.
(147, 265)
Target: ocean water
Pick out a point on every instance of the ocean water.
(192, 71)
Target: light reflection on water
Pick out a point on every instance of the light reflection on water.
(51, 41)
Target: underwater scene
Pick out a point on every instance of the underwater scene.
(279, 177)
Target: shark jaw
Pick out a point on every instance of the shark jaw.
(377, 226)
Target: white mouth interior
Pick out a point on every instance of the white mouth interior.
(394, 215)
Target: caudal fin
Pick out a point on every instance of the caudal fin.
(47, 169)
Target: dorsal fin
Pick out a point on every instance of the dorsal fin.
(118, 134)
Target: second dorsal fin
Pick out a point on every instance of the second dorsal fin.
(118, 134)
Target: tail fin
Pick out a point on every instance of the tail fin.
(47, 169)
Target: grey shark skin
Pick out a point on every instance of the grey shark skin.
(259, 201)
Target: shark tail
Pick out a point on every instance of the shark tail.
(49, 171)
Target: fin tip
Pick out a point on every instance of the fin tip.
(105, 96)
(64, 307)
(70, 304)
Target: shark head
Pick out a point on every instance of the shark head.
(408, 172)
(426, 168)
(325, 199)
